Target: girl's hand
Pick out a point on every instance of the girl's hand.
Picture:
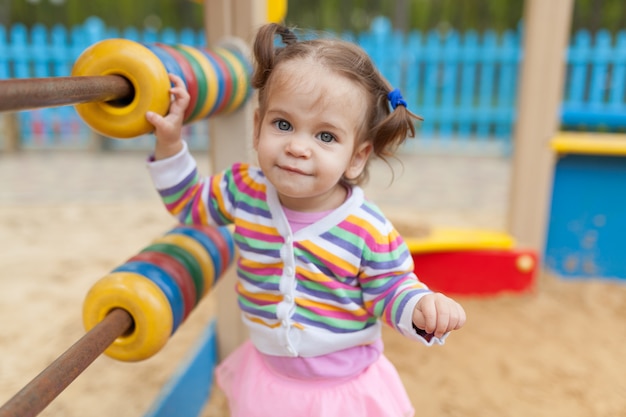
(437, 314)
(168, 129)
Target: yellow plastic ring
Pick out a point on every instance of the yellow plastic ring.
(196, 250)
(142, 68)
(242, 77)
(211, 79)
(144, 301)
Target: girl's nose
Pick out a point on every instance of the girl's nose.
(298, 147)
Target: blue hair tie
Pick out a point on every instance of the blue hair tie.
(395, 98)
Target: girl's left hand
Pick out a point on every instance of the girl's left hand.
(437, 314)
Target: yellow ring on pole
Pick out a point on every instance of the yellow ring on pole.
(195, 249)
(211, 79)
(143, 69)
(243, 79)
(144, 301)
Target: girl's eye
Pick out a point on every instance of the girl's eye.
(282, 125)
(326, 137)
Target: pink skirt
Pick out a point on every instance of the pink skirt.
(255, 390)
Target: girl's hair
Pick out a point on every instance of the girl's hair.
(385, 129)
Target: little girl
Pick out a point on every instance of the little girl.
(319, 267)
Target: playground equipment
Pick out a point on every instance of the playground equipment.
(585, 231)
(473, 262)
(131, 313)
(116, 81)
(567, 199)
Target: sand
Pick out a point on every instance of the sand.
(68, 218)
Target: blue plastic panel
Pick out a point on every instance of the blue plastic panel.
(587, 227)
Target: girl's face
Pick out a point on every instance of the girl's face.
(306, 141)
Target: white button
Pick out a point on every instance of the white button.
(285, 323)
(288, 239)
(289, 298)
(289, 270)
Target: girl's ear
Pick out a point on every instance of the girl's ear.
(358, 161)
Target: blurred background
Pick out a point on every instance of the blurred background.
(345, 15)
(456, 61)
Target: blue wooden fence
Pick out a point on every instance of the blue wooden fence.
(463, 84)
(596, 88)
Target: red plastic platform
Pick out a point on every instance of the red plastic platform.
(473, 262)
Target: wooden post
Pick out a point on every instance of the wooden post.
(11, 128)
(546, 37)
(231, 141)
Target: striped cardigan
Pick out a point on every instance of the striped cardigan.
(324, 288)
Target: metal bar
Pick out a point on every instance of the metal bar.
(46, 386)
(32, 93)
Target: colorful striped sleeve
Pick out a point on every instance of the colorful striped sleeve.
(386, 276)
(188, 196)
